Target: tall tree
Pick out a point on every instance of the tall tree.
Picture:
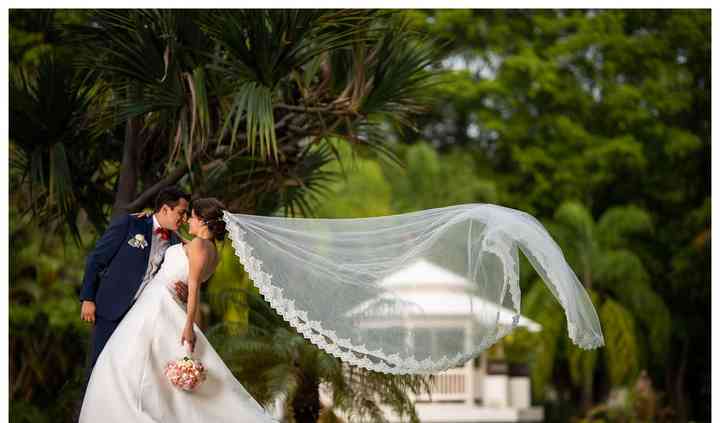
(605, 107)
(227, 102)
(242, 105)
(635, 320)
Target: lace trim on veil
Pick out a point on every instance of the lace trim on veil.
(378, 360)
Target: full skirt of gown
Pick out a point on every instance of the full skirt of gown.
(128, 383)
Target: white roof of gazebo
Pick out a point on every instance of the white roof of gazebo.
(429, 289)
(422, 273)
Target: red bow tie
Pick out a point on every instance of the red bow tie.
(164, 233)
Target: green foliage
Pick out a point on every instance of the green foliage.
(361, 191)
(520, 345)
(621, 342)
(237, 96)
(226, 291)
(621, 291)
(430, 180)
(597, 117)
(48, 341)
(271, 359)
(46, 117)
(539, 305)
(619, 224)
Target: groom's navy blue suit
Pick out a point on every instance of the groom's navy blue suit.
(113, 273)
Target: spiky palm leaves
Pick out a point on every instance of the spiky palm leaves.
(277, 362)
(56, 161)
(635, 321)
(211, 95)
(148, 67)
(251, 87)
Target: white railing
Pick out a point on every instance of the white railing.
(450, 385)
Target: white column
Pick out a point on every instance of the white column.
(496, 389)
(469, 366)
(520, 392)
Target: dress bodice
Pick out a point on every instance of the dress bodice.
(175, 266)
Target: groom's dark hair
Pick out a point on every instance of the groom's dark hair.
(171, 196)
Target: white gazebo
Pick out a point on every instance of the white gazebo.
(467, 393)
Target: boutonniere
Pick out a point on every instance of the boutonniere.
(138, 241)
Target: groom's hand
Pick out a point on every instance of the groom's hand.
(181, 291)
(87, 311)
(142, 214)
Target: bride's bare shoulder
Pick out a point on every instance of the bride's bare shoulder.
(203, 252)
(200, 247)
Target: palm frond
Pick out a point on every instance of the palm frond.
(538, 304)
(308, 183)
(151, 63)
(61, 185)
(126, 44)
(620, 342)
(581, 365)
(638, 296)
(576, 217)
(618, 223)
(253, 103)
(266, 46)
(400, 74)
(47, 115)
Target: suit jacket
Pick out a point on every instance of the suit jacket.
(115, 269)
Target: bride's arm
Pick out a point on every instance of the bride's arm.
(198, 257)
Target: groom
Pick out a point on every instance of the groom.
(124, 260)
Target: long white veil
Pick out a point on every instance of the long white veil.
(417, 292)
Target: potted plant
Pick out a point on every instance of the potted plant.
(497, 364)
(518, 348)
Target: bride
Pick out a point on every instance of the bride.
(128, 383)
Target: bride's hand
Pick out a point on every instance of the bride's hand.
(188, 336)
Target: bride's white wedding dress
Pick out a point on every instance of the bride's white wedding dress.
(128, 383)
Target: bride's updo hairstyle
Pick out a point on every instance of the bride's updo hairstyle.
(210, 211)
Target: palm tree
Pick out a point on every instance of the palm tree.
(273, 360)
(57, 163)
(244, 105)
(635, 320)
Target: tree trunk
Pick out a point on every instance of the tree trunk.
(680, 400)
(669, 382)
(306, 403)
(128, 178)
(587, 393)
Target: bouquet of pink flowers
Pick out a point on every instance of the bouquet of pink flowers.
(185, 373)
